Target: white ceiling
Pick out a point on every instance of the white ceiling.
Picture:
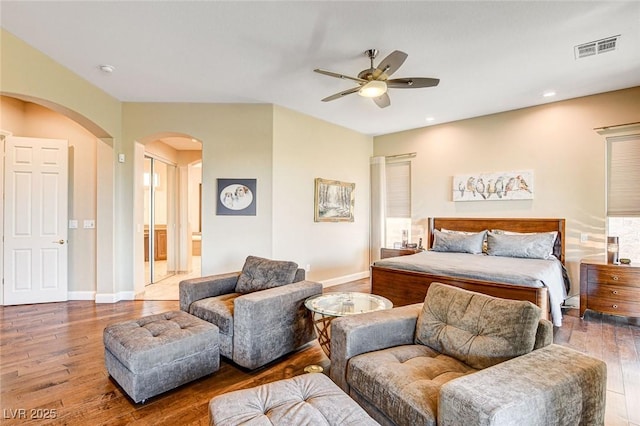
(489, 56)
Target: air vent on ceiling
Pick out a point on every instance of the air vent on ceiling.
(596, 47)
(607, 45)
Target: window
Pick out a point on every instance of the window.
(623, 193)
(398, 207)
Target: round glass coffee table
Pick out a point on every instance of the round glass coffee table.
(325, 307)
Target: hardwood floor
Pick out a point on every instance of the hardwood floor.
(52, 362)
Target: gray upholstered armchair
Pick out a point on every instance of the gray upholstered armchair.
(464, 358)
(259, 311)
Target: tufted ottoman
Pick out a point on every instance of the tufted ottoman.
(310, 399)
(157, 353)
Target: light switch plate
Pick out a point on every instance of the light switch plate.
(89, 224)
(73, 224)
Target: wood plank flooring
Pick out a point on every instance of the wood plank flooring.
(52, 363)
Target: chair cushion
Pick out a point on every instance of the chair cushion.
(474, 328)
(260, 274)
(217, 310)
(404, 381)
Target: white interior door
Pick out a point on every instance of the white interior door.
(35, 220)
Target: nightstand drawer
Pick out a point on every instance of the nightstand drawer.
(615, 307)
(617, 275)
(614, 293)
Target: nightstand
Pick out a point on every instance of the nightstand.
(610, 289)
(393, 252)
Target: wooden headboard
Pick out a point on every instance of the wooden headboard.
(507, 224)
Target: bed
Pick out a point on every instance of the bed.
(405, 280)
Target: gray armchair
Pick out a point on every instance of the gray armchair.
(259, 311)
(463, 358)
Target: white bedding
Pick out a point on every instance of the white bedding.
(526, 272)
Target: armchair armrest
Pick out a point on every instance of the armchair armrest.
(200, 288)
(544, 334)
(356, 334)
(273, 322)
(554, 385)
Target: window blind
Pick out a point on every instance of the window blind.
(398, 189)
(623, 176)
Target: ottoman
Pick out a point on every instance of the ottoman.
(157, 353)
(309, 399)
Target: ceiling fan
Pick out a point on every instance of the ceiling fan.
(373, 82)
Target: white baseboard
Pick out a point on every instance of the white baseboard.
(81, 295)
(345, 279)
(114, 297)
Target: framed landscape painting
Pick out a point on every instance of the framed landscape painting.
(334, 201)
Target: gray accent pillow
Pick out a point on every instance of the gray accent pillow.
(531, 246)
(260, 274)
(474, 328)
(457, 242)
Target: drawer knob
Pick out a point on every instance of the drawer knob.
(614, 277)
(615, 306)
(615, 292)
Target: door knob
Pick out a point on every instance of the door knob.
(59, 242)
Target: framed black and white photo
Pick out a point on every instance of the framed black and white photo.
(236, 197)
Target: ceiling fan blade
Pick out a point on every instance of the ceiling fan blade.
(383, 100)
(412, 82)
(341, 94)
(335, 74)
(389, 65)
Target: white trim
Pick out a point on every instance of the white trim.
(345, 279)
(3, 135)
(81, 295)
(114, 297)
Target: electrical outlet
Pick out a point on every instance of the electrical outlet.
(584, 237)
(307, 268)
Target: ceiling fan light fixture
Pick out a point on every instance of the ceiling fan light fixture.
(373, 89)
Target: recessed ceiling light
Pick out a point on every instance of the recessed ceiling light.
(107, 68)
(429, 119)
(549, 94)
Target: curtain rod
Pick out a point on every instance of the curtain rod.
(615, 126)
(408, 155)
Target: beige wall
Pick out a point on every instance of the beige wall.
(236, 143)
(31, 120)
(557, 141)
(305, 148)
(27, 74)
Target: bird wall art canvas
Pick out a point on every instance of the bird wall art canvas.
(493, 186)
